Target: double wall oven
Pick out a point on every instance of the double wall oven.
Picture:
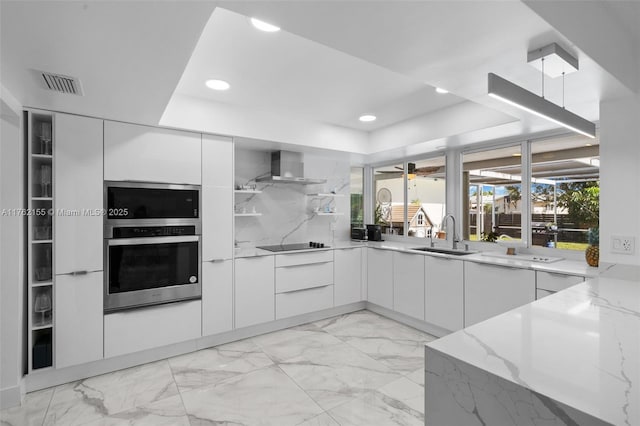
(152, 244)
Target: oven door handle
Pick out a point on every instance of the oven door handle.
(153, 240)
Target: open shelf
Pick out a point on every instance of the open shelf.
(328, 194)
(329, 214)
(41, 274)
(247, 191)
(247, 214)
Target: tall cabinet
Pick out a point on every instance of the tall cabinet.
(217, 234)
(78, 245)
(40, 233)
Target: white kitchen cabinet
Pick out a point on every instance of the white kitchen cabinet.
(380, 277)
(347, 278)
(217, 161)
(490, 290)
(553, 282)
(254, 290)
(217, 223)
(217, 297)
(79, 194)
(444, 292)
(150, 154)
(540, 293)
(299, 277)
(78, 318)
(408, 284)
(303, 301)
(151, 327)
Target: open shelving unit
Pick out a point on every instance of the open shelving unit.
(40, 230)
(328, 194)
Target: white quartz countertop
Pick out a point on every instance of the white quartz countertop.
(571, 267)
(580, 346)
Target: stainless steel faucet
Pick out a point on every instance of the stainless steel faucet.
(454, 238)
(431, 237)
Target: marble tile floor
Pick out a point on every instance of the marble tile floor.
(353, 369)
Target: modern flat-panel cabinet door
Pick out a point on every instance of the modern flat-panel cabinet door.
(217, 161)
(408, 284)
(217, 297)
(151, 154)
(78, 319)
(347, 268)
(490, 290)
(444, 292)
(217, 198)
(78, 193)
(254, 290)
(217, 223)
(380, 277)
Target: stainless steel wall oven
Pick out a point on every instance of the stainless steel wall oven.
(152, 244)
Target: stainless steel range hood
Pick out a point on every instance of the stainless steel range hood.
(287, 167)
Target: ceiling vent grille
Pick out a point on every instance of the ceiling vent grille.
(61, 83)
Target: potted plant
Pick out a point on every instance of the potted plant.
(592, 253)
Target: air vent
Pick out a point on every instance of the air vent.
(60, 83)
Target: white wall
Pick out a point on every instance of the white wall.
(11, 251)
(191, 113)
(619, 176)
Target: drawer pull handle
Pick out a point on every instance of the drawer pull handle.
(306, 264)
(304, 289)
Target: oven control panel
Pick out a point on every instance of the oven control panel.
(152, 231)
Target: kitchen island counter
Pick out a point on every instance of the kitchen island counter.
(567, 359)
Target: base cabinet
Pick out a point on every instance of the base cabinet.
(147, 328)
(490, 290)
(217, 297)
(347, 276)
(444, 292)
(303, 301)
(380, 277)
(78, 319)
(408, 284)
(548, 283)
(254, 290)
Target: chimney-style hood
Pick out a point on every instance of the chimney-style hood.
(287, 167)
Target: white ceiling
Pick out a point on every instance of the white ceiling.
(331, 62)
(287, 73)
(128, 55)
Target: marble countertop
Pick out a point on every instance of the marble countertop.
(566, 266)
(580, 346)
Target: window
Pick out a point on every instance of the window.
(492, 194)
(357, 201)
(565, 191)
(426, 192)
(422, 212)
(388, 186)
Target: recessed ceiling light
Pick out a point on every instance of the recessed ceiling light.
(441, 90)
(367, 118)
(517, 154)
(263, 26)
(218, 85)
(588, 144)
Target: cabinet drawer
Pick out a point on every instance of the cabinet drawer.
(146, 328)
(304, 301)
(304, 258)
(556, 282)
(298, 277)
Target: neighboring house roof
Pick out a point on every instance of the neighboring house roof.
(397, 214)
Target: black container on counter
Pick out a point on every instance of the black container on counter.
(374, 232)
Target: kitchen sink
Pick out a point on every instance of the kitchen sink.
(444, 251)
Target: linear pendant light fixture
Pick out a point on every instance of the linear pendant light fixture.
(512, 94)
(560, 63)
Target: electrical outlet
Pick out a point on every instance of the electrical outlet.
(623, 244)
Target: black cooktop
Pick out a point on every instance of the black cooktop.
(291, 247)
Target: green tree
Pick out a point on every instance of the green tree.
(514, 194)
(582, 201)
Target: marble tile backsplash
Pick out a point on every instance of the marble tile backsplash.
(288, 213)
